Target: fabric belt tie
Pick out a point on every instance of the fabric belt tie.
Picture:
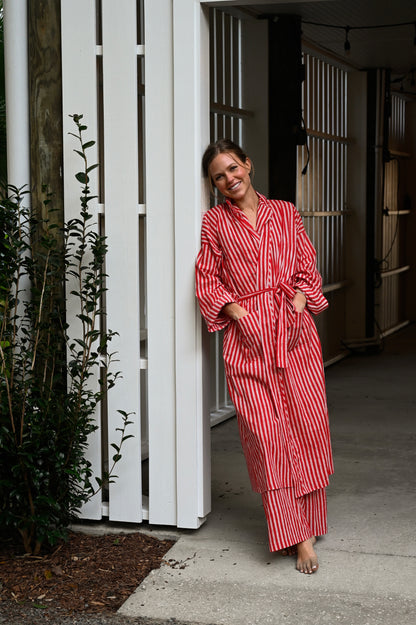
(279, 291)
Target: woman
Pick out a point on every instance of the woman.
(256, 277)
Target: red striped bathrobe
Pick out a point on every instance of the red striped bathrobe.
(272, 356)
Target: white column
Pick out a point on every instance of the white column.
(79, 95)
(121, 174)
(17, 92)
(191, 124)
(160, 261)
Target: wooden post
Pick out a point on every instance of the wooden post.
(285, 115)
(45, 97)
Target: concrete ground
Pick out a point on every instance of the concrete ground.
(223, 573)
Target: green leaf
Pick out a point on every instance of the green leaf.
(85, 318)
(82, 177)
(81, 154)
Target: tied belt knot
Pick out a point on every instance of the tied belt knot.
(279, 291)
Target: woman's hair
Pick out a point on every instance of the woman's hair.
(222, 146)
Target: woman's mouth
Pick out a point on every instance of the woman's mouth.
(234, 186)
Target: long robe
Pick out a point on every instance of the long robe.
(272, 356)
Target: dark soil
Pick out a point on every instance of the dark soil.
(85, 575)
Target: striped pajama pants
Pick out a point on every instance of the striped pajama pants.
(290, 519)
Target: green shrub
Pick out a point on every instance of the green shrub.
(47, 396)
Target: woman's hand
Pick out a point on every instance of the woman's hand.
(235, 311)
(299, 302)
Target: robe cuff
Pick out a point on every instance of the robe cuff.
(215, 318)
(316, 302)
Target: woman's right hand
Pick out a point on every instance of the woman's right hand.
(235, 311)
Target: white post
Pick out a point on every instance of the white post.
(160, 262)
(122, 263)
(79, 95)
(16, 69)
(17, 92)
(191, 124)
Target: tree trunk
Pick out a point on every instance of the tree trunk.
(45, 84)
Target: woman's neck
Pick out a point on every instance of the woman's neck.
(249, 205)
(249, 202)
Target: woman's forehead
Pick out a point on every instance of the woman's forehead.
(224, 160)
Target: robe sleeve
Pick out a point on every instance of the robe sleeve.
(210, 291)
(307, 278)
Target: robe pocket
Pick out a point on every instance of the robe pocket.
(250, 333)
(294, 330)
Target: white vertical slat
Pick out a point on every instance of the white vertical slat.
(191, 123)
(17, 92)
(79, 96)
(16, 69)
(121, 219)
(160, 262)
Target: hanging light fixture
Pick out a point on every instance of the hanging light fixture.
(347, 45)
(347, 29)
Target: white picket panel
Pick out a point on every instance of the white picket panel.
(160, 262)
(79, 96)
(119, 35)
(17, 92)
(177, 400)
(191, 124)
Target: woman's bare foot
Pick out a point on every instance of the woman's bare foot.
(307, 559)
(293, 549)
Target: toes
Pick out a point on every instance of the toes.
(308, 567)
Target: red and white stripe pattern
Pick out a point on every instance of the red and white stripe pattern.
(290, 519)
(272, 357)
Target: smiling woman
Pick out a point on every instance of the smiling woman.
(256, 278)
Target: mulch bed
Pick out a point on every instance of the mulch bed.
(87, 574)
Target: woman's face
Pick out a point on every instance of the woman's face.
(230, 175)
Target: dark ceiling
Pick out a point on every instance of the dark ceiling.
(390, 46)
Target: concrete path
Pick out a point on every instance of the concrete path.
(223, 574)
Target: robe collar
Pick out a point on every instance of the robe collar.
(264, 211)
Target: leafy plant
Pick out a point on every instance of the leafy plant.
(48, 397)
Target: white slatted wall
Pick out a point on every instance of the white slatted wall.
(149, 207)
(321, 191)
(100, 70)
(226, 121)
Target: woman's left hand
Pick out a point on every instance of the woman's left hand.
(299, 302)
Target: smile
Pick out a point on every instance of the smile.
(235, 186)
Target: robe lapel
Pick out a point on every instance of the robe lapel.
(264, 213)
